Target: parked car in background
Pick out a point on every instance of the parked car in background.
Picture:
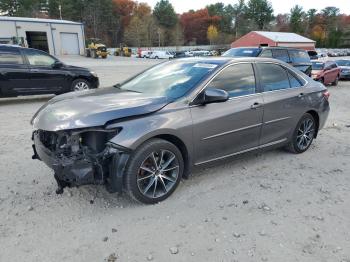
(144, 135)
(325, 72)
(296, 57)
(161, 55)
(344, 66)
(27, 71)
(145, 54)
(180, 54)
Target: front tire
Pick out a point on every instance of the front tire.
(154, 171)
(303, 134)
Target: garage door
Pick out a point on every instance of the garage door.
(69, 44)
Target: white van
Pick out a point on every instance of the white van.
(161, 55)
(145, 54)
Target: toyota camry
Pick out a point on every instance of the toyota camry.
(144, 135)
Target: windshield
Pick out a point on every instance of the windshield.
(317, 66)
(170, 79)
(250, 52)
(343, 62)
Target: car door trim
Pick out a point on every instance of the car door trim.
(242, 152)
(277, 120)
(231, 131)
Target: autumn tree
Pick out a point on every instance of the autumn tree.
(195, 25)
(225, 13)
(212, 34)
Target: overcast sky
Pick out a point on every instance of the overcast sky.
(279, 6)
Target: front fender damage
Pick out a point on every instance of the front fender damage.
(82, 157)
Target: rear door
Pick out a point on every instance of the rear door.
(44, 77)
(14, 73)
(284, 102)
(227, 128)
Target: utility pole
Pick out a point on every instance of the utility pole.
(158, 37)
(60, 9)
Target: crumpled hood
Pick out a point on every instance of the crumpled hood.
(93, 108)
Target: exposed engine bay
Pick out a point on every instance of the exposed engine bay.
(80, 157)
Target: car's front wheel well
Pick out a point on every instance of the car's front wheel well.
(183, 149)
(317, 120)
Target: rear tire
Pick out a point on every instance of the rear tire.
(80, 85)
(303, 134)
(93, 54)
(154, 171)
(335, 83)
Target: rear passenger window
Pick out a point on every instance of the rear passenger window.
(299, 56)
(273, 77)
(294, 81)
(237, 80)
(10, 57)
(280, 54)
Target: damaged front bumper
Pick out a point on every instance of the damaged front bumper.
(82, 157)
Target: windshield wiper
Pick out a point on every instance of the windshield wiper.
(118, 86)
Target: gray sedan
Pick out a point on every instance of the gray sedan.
(142, 136)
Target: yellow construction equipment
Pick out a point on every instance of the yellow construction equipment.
(95, 48)
(123, 51)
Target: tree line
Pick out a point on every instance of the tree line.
(135, 23)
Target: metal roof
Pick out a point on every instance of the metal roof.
(37, 20)
(285, 37)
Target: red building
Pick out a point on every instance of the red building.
(263, 38)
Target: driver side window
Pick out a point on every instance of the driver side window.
(237, 80)
(38, 58)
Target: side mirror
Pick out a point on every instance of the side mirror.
(212, 95)
(57, 64)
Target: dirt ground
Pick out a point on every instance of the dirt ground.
(274, 206)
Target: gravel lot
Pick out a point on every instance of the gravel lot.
(274, 206)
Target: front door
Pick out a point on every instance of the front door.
(44, 78)
(227, 128)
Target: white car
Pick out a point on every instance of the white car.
(161, 55)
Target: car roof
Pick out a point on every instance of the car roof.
(10, 46)
(269, 47)
(222, 60)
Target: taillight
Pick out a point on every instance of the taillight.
(326, 94)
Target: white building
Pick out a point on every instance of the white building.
(58, 37)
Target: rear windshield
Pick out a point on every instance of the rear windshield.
(249, 52)
(343, 62)
(317, 66)
(299, 56)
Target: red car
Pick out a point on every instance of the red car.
(326, 72)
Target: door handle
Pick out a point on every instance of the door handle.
(35, 70)
(255, 105)
(301, 95)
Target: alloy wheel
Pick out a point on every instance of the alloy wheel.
(80, 86)
(158, 174)
(305, 133)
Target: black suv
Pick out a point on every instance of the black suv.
(27, 71)
(296, 57)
